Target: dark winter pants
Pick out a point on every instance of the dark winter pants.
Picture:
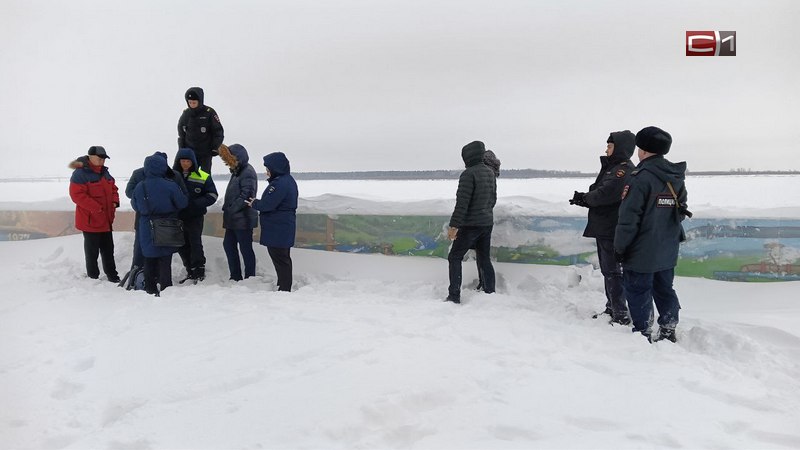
(243, 239)
(283, 267)
(479, 238)
(612, 275)
(157, 270)
(192, 251)
(138, 256)
(101, 244)
(642, 289)
(204, 161)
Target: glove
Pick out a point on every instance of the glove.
(578, 199)
(619, 257)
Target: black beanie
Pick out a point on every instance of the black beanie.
(654, 140)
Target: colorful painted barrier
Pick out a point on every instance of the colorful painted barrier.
(723, 249)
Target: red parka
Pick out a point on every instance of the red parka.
(95, 195)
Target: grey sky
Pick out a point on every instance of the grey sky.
(385, 85)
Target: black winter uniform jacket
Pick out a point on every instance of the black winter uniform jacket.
(649, 231)
(200, 128)
(477, 192)
(605, 194)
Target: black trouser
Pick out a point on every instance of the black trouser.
(157, 270)
(204, 161)
(283, 266)
(102, 244)
(138, 256)
(479, 238)
(612, 276)
(192, 251)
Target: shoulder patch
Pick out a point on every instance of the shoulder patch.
(271, 189)
(625, 191)
(620, 173)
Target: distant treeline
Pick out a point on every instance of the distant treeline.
(448, 174)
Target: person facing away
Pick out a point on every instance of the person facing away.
(649, 233)
(202, 193)
(277, 209)
(165, 270)
(238, 219)
(472, 220)
(603, 200)
(156, 197)
(96, 197)
(491, 160)
(200, 129)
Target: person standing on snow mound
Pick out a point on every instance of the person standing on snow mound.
(200, 129)
(202, 193)
(238, 219)
(277, 211)
(156, 197)
(491, 160)
(603, 200)
(649, 233)
(472, 220)
(96, 197)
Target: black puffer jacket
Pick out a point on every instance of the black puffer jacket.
(477, 190)
(200, 128)
(605, 194)
(649, 231)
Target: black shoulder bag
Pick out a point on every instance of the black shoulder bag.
(166, 231)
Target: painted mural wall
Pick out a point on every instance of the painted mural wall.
(723, 249)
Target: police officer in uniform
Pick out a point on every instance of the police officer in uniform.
(603, 201)
(199, 128)
(649, 232)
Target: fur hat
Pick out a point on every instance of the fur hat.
(97, 150)
(654, 140)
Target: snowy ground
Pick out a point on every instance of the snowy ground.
(363, 354)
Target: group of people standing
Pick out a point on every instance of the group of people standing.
(185, 191)
(635, 215)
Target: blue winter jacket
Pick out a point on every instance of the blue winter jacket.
(200, 186)
(243, 185)
(278, 204)
(163, 199)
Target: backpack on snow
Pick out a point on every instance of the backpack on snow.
(134, 279)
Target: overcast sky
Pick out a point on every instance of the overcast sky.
(398, 85)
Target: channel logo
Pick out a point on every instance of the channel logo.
(710, 43)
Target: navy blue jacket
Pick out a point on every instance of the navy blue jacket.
(200, 186)
(236, 215)
(649, 230)
(278, 204)
(138, 176)
(164, 199)
(605, 194)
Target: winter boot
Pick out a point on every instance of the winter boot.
(199, 273)
(453, 298)
(666, 334)
(620, 319)
(607, 312)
